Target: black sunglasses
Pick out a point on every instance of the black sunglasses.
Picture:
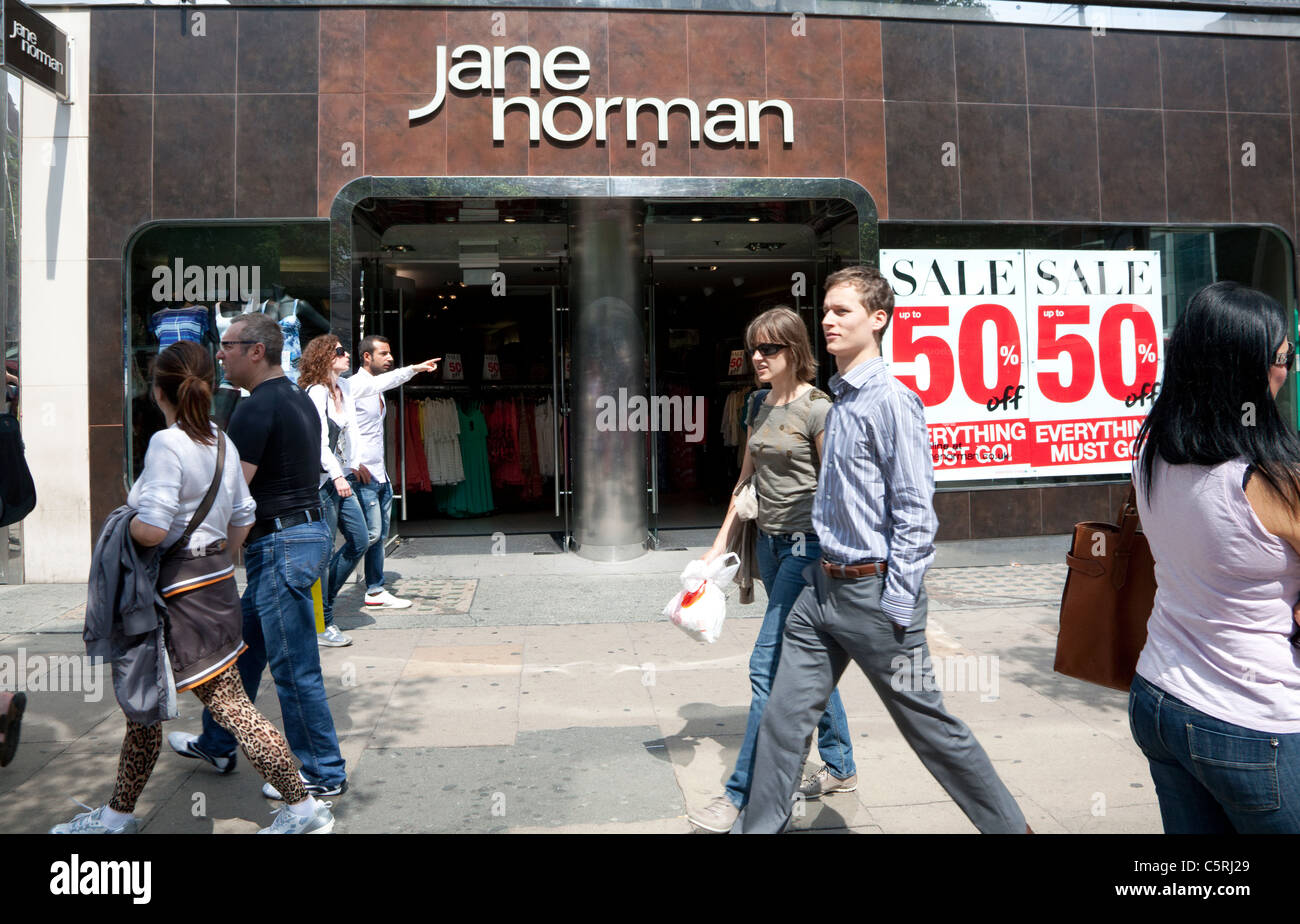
(339, 351)
(1285, 358)
(769, 349)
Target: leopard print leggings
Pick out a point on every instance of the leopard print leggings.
(225, 698)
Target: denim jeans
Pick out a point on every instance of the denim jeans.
(781, 571)
(342, 513)
(1213, 777)
(280, 628)
(377, 503)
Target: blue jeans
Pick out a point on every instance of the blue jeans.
(1213, 777)
(781, 571)
(280, 628)
(377, 503)
(341, 513)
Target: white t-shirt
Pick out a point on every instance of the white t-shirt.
(1218, 637)
(177, 473)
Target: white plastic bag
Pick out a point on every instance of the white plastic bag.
(700, 606)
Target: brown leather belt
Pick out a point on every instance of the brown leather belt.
(849, 572)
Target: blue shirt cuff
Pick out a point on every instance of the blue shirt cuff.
(898, 609)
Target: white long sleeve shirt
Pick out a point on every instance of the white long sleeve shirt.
(336, 465)
(371, 408)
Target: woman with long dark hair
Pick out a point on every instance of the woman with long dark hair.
(1215, 705)
(322, 362)
(786, 420)
(204, 623)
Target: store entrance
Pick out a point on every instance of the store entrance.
(475, 449)
(483, 453)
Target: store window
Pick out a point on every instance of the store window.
(191, 280)
(1037, 349)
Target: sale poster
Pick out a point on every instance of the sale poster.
(958, 340)
(1095, 320)
(1028, 362)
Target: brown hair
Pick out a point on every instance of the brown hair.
(317, 364)
(183, 373)
(782, 325)
(873, 290)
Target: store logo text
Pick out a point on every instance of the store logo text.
(27, 39)
(567, 68)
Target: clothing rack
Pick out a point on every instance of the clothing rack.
(467, 389)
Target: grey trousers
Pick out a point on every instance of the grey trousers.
(832, 622)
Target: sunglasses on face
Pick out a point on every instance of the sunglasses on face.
(339, 351)
(769, 349)
(1285, 358)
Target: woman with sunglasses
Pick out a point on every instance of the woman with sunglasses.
(1215, 705)
(204, 628)
(322, 362)
(785, 424)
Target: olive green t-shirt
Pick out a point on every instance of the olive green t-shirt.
(782, 444)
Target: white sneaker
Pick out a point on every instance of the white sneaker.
(92, 822)
(384, 600)
(332, 638)
(286, 822)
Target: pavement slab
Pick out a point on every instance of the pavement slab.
(518, 688)
(548, 781)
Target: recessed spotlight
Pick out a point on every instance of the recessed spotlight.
(754, 219)
(509, 221)
(698, 218)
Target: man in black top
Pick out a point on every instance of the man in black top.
(277, 432)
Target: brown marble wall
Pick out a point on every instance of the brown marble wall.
(269, 112)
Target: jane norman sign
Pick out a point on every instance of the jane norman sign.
(34, 47)
(566, 68)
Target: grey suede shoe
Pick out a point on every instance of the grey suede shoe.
(822, 783)
(717, 817)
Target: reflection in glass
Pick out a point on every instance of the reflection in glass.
(192, 280)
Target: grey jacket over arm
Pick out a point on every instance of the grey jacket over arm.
(125, 621)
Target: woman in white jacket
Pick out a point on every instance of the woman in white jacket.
(322, 362)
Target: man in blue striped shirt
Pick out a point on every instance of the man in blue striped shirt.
(874, 516)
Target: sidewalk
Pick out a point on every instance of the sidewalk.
(532, 692)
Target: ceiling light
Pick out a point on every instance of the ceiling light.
(697, 218)
(755, 219)
(509, 221)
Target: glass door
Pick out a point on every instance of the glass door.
(561, 389)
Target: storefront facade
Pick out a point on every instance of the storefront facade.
(373, 163)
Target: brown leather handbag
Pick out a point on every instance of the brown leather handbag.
(1109, 592)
